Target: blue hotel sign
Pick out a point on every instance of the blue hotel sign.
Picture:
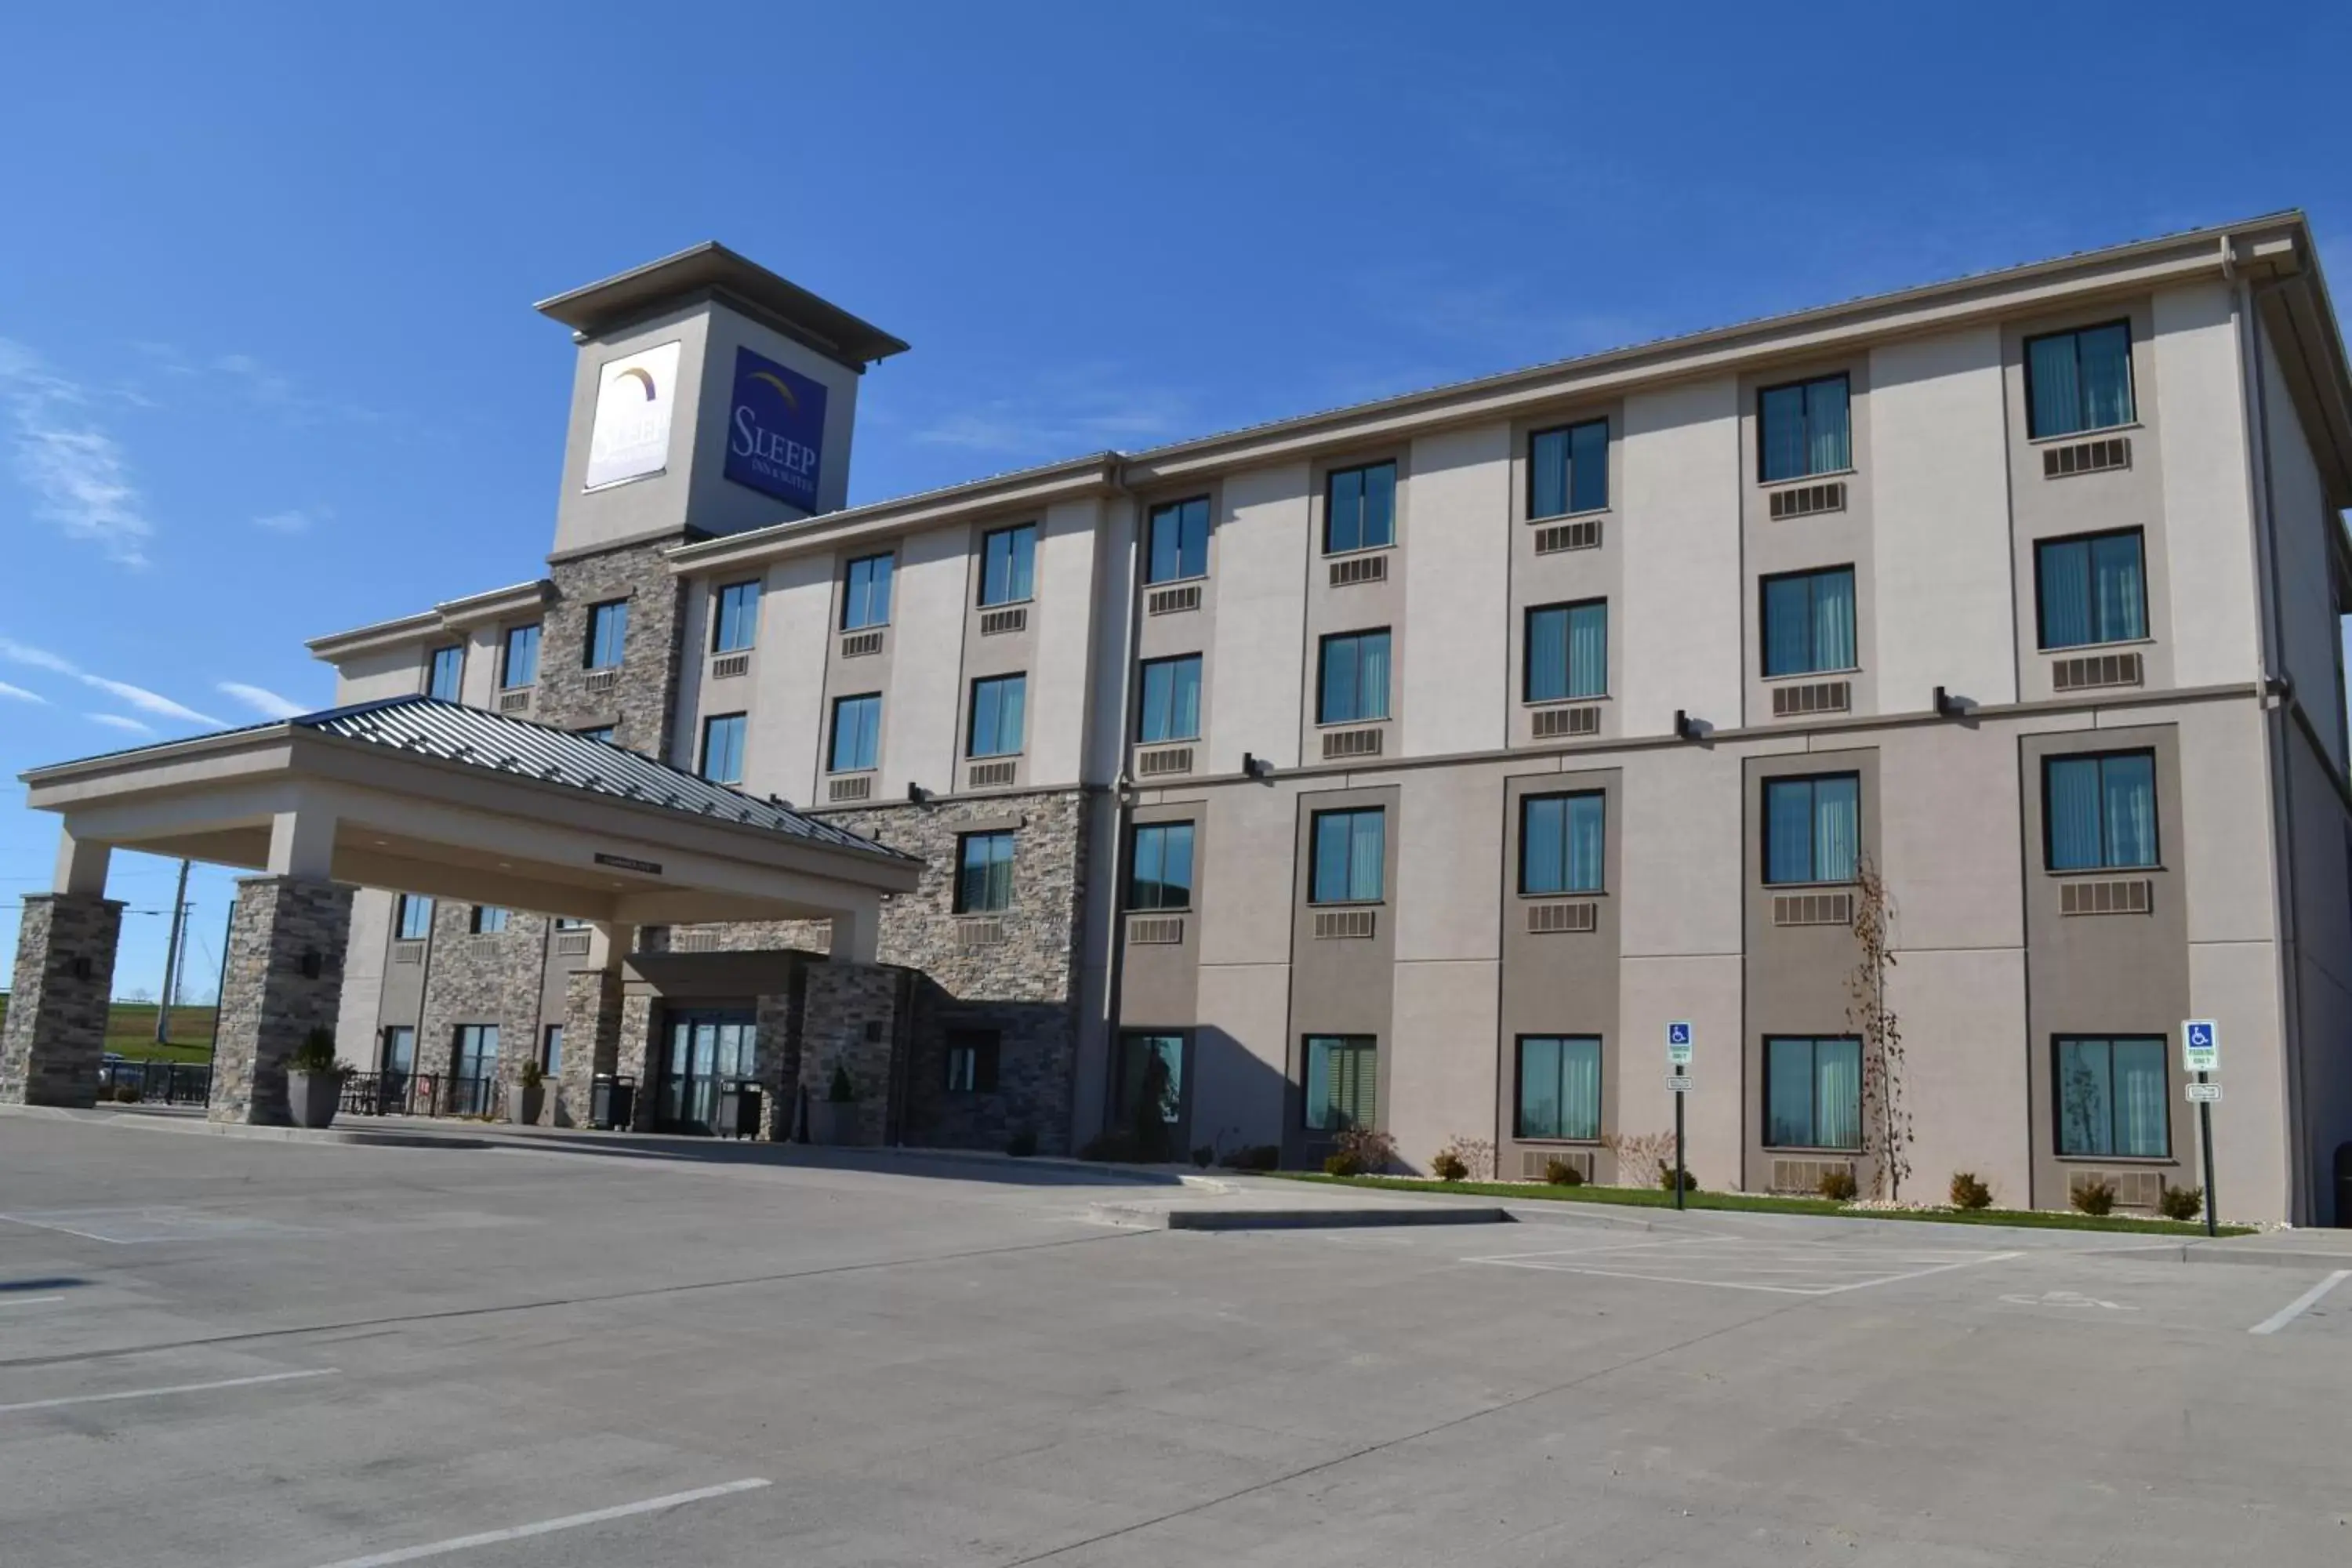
(775, 429)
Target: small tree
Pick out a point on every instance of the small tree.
(1886, 1131)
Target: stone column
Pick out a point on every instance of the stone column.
(56, 1014)
(776, 1063)
(634, 1057)
(849, 1018)
(285, 978)
(591, 1041)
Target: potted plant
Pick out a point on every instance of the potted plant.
(530, 1093)
(834, 1120)
(314, 1080)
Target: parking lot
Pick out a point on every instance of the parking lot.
(222, 1351)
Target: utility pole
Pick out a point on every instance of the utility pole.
(172, 959)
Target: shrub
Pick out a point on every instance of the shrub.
(1836, 1184)
(530, 1075)
(1561, 1173)
(1255, 1157)
(1968, 1192)
(1343, 1162)
(841, 1091)
(1205, 1155)
(125, 1094)
(2096, 1196)
(2183, 1203)
(1449, 1167)
(315, 1054)
(1667, 1179)
(1373, 1151)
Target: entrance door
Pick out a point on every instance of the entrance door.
(707, 1049)
(1151, 1093)
(399, 1061)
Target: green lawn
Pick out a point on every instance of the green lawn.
(131, 1032)
(1758, 1203)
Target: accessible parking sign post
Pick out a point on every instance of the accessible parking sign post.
(1678, 1061)
(2200, 1051)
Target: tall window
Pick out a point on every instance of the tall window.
(1343, 1082)
(1354, 685)
(735, 617)
(1151, 1079)
(1567, 652)
(2111, 1097)
(478, 1050)
(2092, 589)
(1809, 622)
(1008, 564)
(1804, 428)
(1170, 710)
(519, 661)
(416, 918)
(866, 593)
(972, 1060)
(856, 733)
(1160, 874)
(996, 715)
(1568, 469)
(399, 1056)
(488, 919)
(608, 630)
(445, 677)
(550, 1050)
(2079, 380)
(1350, 857)
(1560, 1087)
(1812, 1092)
(983, 873)
(722, 748)
(1562, 841)
(1359, 508)
(1812, 828)
(2099, 812)
(1180, 541)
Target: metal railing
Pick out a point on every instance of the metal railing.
(471, 1097)
(391, 1094)
(157, 1082)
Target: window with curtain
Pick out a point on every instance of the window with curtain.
(2111, 1097)
(1562, 841)
(856, 733)
(996, 716)
(1809, 622)
(1812, 828)
(722, 748)
(735, 617)
(1342, 1086)
(1359, 508)
(1170, 709)
(2079, 380)
(1353, 686)
(1150, 1077)
(983, 873)
(488, 919)
(1804, 428)
(866, 593)
(519, 661)
(2099, 812)
(1812, 1092)
(1179, 542)
(1560, 1087)
(2092, 589)
(1008, 564)
(1568, 469)
(1350, 857)
(1159, 875)
(608, 633)
(445, 679)
(416, 918)
(1566, 653)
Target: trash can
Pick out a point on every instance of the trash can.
(612, 1103)
(739, 1110)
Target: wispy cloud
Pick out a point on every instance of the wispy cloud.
(1062, 414)
(262, 384)
(262, 700)
(139, 696)
(116, 722)
(293, 519)
(18, 694)
(78, 473)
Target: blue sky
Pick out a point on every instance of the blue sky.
(268, 364)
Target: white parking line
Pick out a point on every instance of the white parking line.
(172, 1388)
(1776, 1270)
(27, 1301)
(2301, 1304)
(549, 1526)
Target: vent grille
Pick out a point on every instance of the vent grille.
(408, 952)
(1818, 696)
(1559, 536)
(1172, 600)
(988, 775)
(857, 645)
(1544, 919)
(1352, 569)
(2123, 895)
(1813, 909)
(1330, 923)
(859, 786)
(988, 931)
(694, 942)
(1350, 743)
(2096, 670)
(1159, 929)
(1532, 1161)
(1166, 760)
(2134, 1189)
(571, 944)
(2086, 458)
(603, 679)
(515, 702)
(1808, 500)
(1558, 724)
(728, 665)
(995, 623)
(1805, 1175)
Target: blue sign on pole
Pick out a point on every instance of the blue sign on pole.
(775, 429)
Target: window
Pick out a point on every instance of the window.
(1170, 710)
(1809, 622)
(478, 1051)
(1359, 508)
(1567, 652)
(1560, 1087)
(735, 617)
(1160, 876)
(550, 1049)
(2099, 813)
(2111, 1098)
(722, 748)
(1343, 1078)
(1562, 843)
(1568, 469)
(856, 733)
(608, 630)
(488, 919)
(2092, 589)
(399, 1052)
(1812, 1092)
(1350, 855)
(1803, 430)
(518, 663)
(2078, 381)
(983, 873)
(996, 705)
(416, 918)
(866, 594)
(596, 732)
(570, 923)
(1180, 541)
(972, 1060)
(1812, 828)
(1008, 564)
(1354, 684)
(1150, 1079)
(445, 676)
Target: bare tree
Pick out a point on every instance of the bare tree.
(1886, 1131)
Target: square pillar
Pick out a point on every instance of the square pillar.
(850, 1017)
(285, 978)
(635, 1058)
(591, 1041)
(56, 1013)
(776, 1063)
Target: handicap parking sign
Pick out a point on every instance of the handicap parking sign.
(2201, 1040)
(1678, 1044)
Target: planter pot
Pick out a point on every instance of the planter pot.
(524, 1103)
(312, 1096)
(834, 1123)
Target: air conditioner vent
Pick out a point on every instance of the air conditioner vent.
(857, 786)
(1808, 500)
(988, 931)
(1352, 569)
(571, 944)
(1548, 919)
(1814, 697)
(515, 702)
(1805, 1175)
(857, 645)
(408, 952)
(1564, 724)
(1813, 909)
(988, 775)
(2122, 896)
(1338, 743)
(1535, 1164)
(2134, 1189)
(694, 942)
(1172, 600)
(731, 666)
(1330, 923)
(603, 679)
(1552, 538)
(1164, 760)
(1161, 929)
(2086, 458)
(995, 623)
(2095, 671)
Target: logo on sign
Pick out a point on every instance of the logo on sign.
(1678, 1044)
(2202, 1038)
(776, 428)
(1678, 1033)
(630, 438)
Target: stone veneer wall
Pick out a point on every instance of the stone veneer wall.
(776, 1057)
(57, 1012)
(644, 693)
(850, 1019)
(268, 1004)
(592, 1043)
(635, 1059)
(493, 979)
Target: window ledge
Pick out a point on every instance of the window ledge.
(2093, 433)
(2117, 1159)
(996, 605)
(1345, 903)
(1353, 723)
(1814, 478)
(1584, 893)
(1360, 549)
(1813, 1149)
(1201, 576)
(2073, 650)
(1779, 887)
(1552, 517)
(1561, 701)
(2095, 871)
(1560, 1143)
(1842, 669)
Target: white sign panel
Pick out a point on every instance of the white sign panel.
(2205, 1092)
(634, 398)
(2201, 1040)
(1678, 1083)
(1678, 1044)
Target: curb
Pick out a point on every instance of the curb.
(150, 1122)
(1297, 1220)
(2272, 1256)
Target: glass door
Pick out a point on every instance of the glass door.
(707, 1051)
